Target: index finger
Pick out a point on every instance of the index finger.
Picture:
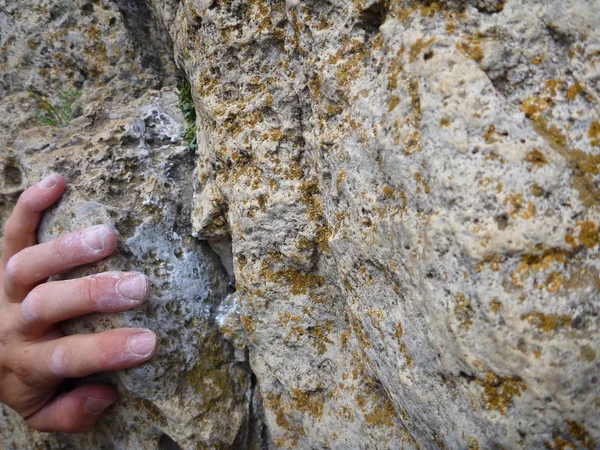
(21, 226)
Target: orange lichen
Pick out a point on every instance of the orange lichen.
(464, 311)
(536, 158)
(594, 134)
(554, 282)
(534, 107)
(401, 346)
(499, 392)
(588, 235)
(470, 48)
(418, 46)
(547, 322)
(495, 306)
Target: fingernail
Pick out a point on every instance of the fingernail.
(94, 238)
(133, 287)
(142, 344)
(49, 182)
(96, 405)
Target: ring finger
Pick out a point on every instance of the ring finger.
(84, 354)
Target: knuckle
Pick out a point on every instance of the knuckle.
(58, 363)
(14, 270)
(33, 305)
(28, 201)
(18, 364)
(90, 290)
(63, 247)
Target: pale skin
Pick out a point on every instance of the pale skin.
(35, 355)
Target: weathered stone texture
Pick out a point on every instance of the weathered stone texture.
(408, 193)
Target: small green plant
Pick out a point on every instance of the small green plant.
(186, 103)
(59, 115)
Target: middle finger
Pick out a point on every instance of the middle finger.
(53, 302)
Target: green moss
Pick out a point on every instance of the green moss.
(59, 114)
(186, 103)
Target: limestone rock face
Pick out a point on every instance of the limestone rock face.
(406, 195)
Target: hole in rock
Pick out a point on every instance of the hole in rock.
(373, 17)
(87, 9)
(166, 443)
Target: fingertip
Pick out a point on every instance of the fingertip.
(99, 398)
(53, 181)
(76, 411)
(99, 239)
(45, 193)
(143, 344)
(110, 238)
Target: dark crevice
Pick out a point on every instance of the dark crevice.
(373, 17)
(148, 37)
(166, 443)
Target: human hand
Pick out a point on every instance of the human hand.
(35, 356)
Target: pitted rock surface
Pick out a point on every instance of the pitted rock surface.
(407, 196)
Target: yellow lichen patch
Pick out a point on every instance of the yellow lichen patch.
(248, 323)
(517, 208)
(283, 318)
(359, 332)
(309, 191)
(381, 416)
(494, 260)
(581, 435)
(304, 244)
(584, 166)
(315, 87)
(473, 443)
(537, 60)
(470, 48)
(489, 134)
(418, 46)
(353, 53)
(536, 158)
(393, 101)
(273, 402)
(324, 232)
(573, 91)
(588, 234)
(594, 134)
(554, 282)
(438, 442)
(401, 346)
(464, 311)
(496, 306)
(319, 337)
(560, 444)
(388, 192)
(309, 402)
(298, 282)
(445, 122)
(547, 322)
(587, 354)
(273, 185)
(151, 410)
(499, 392)
(534, 107)
(273, 136)
(537, 262)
